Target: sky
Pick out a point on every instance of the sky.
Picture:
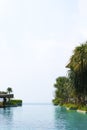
(37, 38)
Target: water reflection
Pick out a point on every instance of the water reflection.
(69, 120)
(41, 117)
(59, 118)
(6, 117)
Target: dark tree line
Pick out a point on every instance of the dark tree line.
(73, 88)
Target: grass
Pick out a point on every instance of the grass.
(83, 108)
(71, 106)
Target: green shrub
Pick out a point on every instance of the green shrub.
(83, 108)
(57, 101)
(15, 102)
(71, 106)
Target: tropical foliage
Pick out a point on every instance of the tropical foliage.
(9, 90)
(73, 88)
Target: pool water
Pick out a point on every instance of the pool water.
(41, 117)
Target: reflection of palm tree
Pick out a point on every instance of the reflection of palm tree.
(9, 90)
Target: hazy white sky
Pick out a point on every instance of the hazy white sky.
(36, 41)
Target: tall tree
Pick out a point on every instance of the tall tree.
(78, 67)
(9, 90)
(62, 91)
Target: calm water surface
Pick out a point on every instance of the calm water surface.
(41, 117)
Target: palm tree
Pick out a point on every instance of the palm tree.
(78, 60)
(78, 65)
(9, 90)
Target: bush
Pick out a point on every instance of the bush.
(57, 101)
(15, 102)
(83, 108)
(71, 106)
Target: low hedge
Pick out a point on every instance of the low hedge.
(16, 102)
(71, 106)
(57, 101)
(83, 108)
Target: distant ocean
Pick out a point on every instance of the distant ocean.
(41, 117)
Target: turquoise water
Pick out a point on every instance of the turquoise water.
(41, 117)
